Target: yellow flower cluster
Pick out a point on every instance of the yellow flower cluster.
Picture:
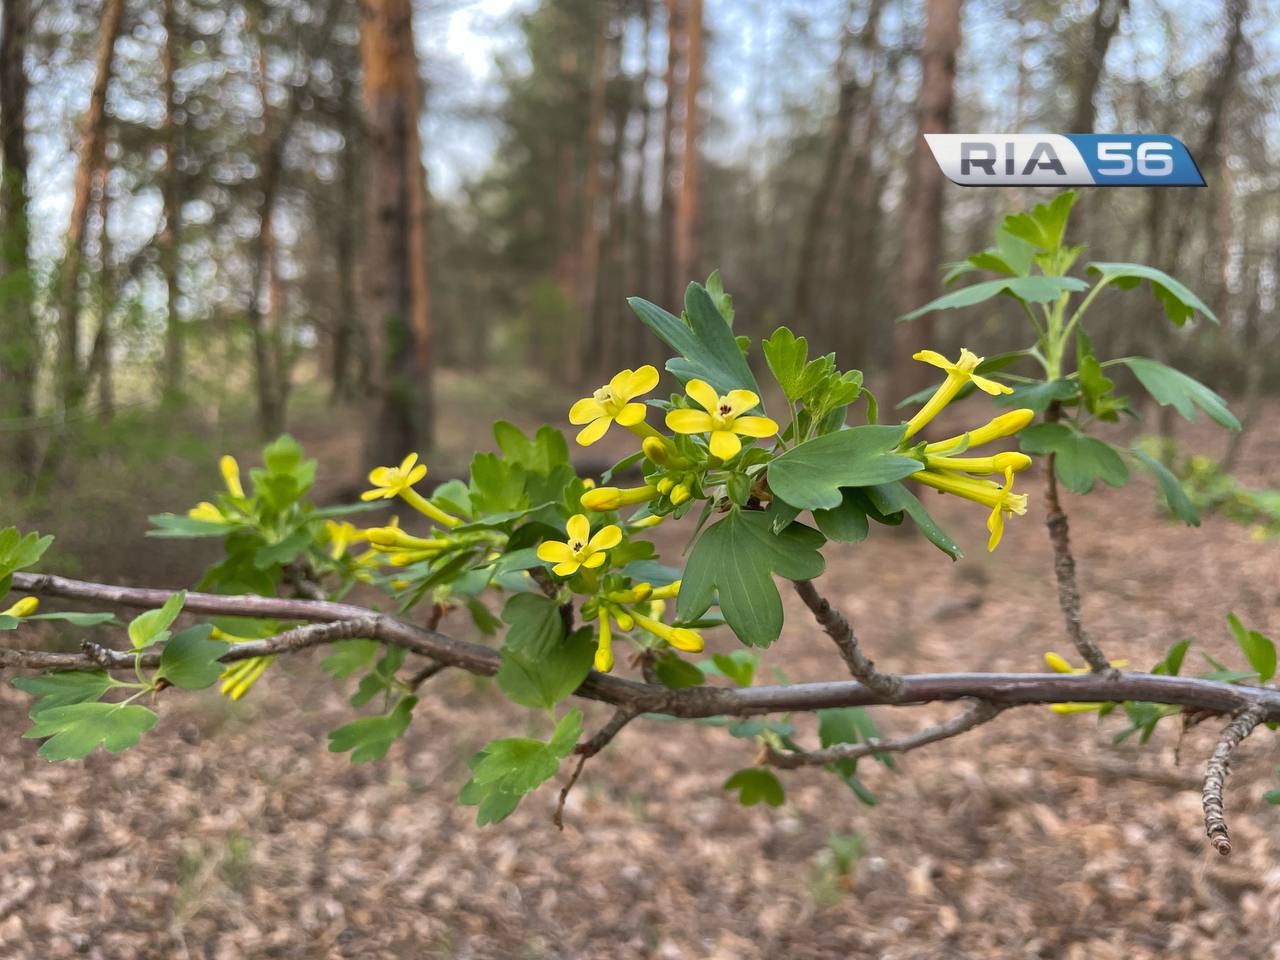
(963, 476)
(640, 606)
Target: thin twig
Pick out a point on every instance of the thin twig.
(979, 712)
(1215, 775)
(1064, 564)
(840, 630)
(588, 749)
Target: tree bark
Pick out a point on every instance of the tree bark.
(396, 273)
(92, 144)
(1106, 20)
(664, 242)
(922, 218)
(686, 239)
(174, 363)
(639, 262)
(589, 232)
(19, 347)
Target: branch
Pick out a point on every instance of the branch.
(1064, 564)
(1005, 689)
(1215, 775)
(585, 751)
(978, 713)
(839, 629)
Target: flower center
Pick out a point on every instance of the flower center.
(576, 546)
(725, 409)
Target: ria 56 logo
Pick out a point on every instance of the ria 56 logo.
(1064, 160)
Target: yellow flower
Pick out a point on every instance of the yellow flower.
(391, 482)
(1060, 665)
(958, 374)
(206, 512)
(613, 402)
(682, 638)
(602, 499)
(1001, 499)
(23, 608)
(581, 550)
(238, 678)
(231, 475)
(1017, 462)
(721, 417)
(644, 523)
(341, 536)
(604, 648)
(1005, 425)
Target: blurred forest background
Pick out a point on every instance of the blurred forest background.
(227, 218)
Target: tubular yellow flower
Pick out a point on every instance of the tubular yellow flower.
(722, 417)
(341, 536)
(1060, 664)
(390, 537)
(958, 374)
(638, 593)
(1017, 462)
(623, 619)
(238, 678)
(611, 498)
(581, 550)
(206, 512)
(1005, 425)
(613, 403)
(604, 648)
(679, 494)
(391, 482)
(682, 638)
(669, 592)
(231, 475)
(23, 608)
(664, 485)
(658, 450)
(644, 523)
(1001, 499)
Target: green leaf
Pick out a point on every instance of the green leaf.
(1172, 662)
(1095, 387)
(1038, 396)
(190, 659)
(1258, 650)
(738, 557)
(1044, 225)
(1033, 289)
(544, 680)
(172, 526)
(722, 300)
(18, 552)
(755, 785)
(63, 687)
(75, 619)
(1170, 387)
(369, 738)
(846, 523)
(811, 474)
(895, 498)
(153, 626)
(1272, 797)
(546, 451)
(849, 725)
(1179, 303)
(515, 766)
(677, 673)
(75, 730)
(738, 666)
(536, 626)
(1174, 495)
(350, 657)
(1080, 460)
(786, 355)
(707, 348)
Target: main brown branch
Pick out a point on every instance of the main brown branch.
(331, 620)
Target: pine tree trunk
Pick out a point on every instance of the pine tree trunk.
(19, 347)
(589, 232)
(664, 242)
(639, 263)
(396, 270)
(687, 204)
(174, 364)
(922, 218)
(92, 144)
(99, 368)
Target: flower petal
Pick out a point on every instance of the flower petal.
(595, 559)
(415, 475)
(724, 444)
(995, 523)
(585, 410)
(990, 386)
(630, 415)
(382, 493)
(703, 395)
(606, 538)
(755, 426)
(407, 463)
(688, 421)
(380, 476)
(568, 568)
(640, 382)
(593, 431)
(553, 551)
(578, 528)
(934, 358)
(740, 401)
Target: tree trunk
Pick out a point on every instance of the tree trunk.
(639, 263)
(589, 232)
(92, 143)
(922, 217)
(1106, 20)
(99, 368)
(686, 239)
(19, 348)
(396, 274)
(174, 365)
(665, 241)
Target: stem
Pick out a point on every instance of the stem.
(1215, 776)
(1084, 305)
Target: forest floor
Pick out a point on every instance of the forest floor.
(232, 832)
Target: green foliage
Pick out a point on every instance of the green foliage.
(535, 626)
(1080, 460)
(1258, 650)
(1035, 289)
(1170, 387)
(18, 552)
(756, 785)
(153, 626)
(369, 738)
(1179, 303)
(736, 559)
(674, 672)
(1175, 497)
(64, 687)
(190, 659)
(543, 679)
(508, 769)
(811, 475)
(75, 730)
